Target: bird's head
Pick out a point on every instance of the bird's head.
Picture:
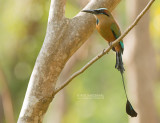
(100, 11)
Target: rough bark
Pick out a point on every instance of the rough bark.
(141, 65)
(63, 37)
(57, 108)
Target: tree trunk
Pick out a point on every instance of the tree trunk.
(63, 37)
(141, 70)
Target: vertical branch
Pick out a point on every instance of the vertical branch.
(57, 10)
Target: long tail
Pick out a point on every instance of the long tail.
(119, 62)
(119, 65)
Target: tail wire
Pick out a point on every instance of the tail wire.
(124, 84)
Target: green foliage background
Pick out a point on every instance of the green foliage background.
(22, 31)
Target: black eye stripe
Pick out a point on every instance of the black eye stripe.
(102, 12)
(106, 14)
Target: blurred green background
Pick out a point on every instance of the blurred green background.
(22, 31)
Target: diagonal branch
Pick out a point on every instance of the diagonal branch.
(63, 38)
(82, 23)
(105, 50)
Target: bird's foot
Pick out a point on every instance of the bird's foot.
(103, 50)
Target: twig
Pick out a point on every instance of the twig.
(105, 50)
(6, 99)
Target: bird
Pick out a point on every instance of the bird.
(110, 31)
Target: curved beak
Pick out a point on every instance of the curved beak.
(90, 11)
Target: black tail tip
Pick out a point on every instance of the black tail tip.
(130, 111)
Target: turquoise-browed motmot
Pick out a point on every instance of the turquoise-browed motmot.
(109, 30)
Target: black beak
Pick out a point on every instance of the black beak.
(91, 11)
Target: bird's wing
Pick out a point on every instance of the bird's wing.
(116, 32)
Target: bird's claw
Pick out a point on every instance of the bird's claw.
(103, 50)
